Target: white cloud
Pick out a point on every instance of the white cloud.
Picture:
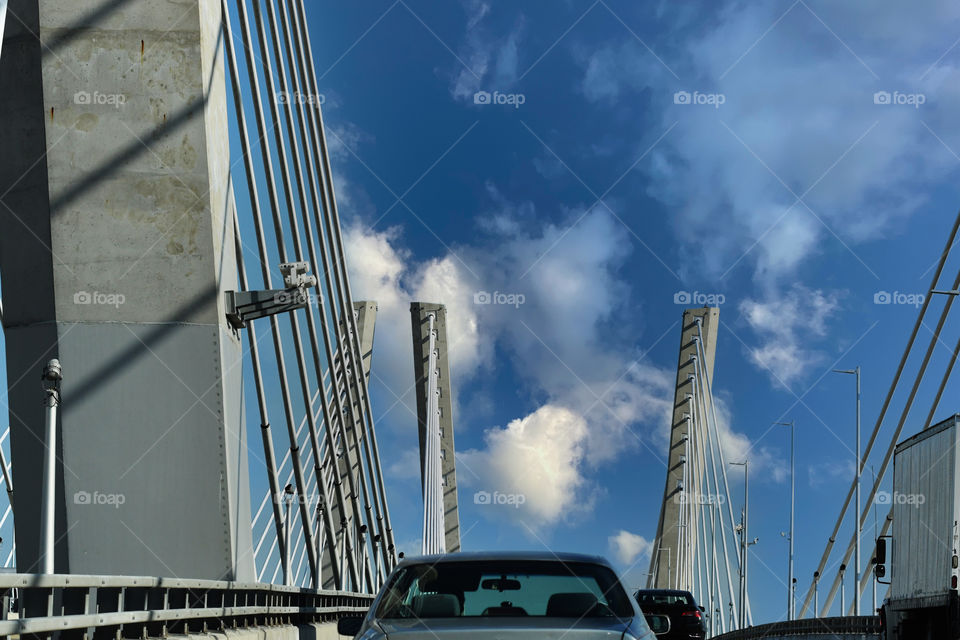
(799, 119)
(783, 323)
(604, 397)
(538, 458)
(491, 59)
(629, 548)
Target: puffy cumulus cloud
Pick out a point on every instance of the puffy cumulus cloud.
(629, 548)
(799, 158)
(383, 272)
(596, 396)
(532, 469)
(782, 324)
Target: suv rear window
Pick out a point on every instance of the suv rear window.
(667, 599)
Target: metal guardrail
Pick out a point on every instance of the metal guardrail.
(847, 625)
(74, 606)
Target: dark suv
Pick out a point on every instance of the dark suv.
(686, 618)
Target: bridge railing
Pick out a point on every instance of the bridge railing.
(134, 607)
(860, 626)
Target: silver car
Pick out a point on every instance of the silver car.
(504, 596)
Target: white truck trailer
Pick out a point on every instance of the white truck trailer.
(922, 603)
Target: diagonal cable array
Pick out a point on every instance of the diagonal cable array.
(709, 554)
(895, 436)
(330, 474)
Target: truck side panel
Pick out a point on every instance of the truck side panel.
(925, 503)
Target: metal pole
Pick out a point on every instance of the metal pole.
(746, 549)
(843, 588)
(857, 522)
(793, 473)
(876, 534)
(793, 495)
(816, 593)
(856, 589)
(743, 542)
(52, 375)
(287, 501)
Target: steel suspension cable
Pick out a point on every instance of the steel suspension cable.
(896, 435)
(883, 411)
(273, 82)
(726, 487)
(333, 219)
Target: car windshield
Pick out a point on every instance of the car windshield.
(669, 599)
(511, 588)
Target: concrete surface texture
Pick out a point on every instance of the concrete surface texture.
(115, 252)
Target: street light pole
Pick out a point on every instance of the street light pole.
(742, 623)
(856, 569)
(790, 580)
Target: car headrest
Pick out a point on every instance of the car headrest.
(570, 605)
(436, 605)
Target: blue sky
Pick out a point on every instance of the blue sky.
(602, 195)
(794, 158)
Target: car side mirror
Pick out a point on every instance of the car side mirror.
(702, 609)
(349, 626)
(659, 624)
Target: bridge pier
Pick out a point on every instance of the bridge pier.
(116, 246)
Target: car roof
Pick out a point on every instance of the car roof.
(664, 592)
(476, 556)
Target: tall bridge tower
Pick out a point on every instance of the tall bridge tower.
(673, 551)
(116, 247)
